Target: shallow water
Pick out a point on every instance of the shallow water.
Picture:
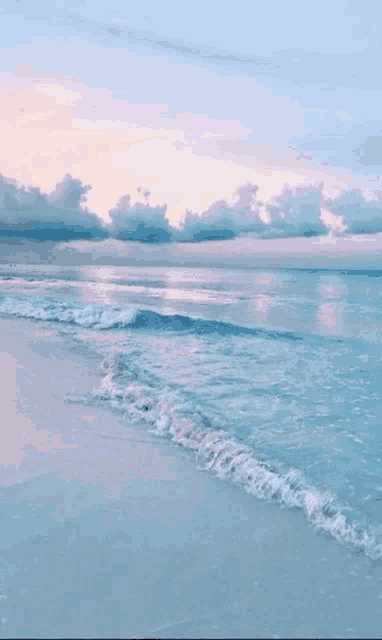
(271, 378)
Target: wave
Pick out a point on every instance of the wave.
(112, 317)
(48, 309)
(132, 391)
(127, 387)
(152, 320)
(42, 276)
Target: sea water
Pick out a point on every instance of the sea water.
(271, 379)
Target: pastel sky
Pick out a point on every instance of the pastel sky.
(191, 100)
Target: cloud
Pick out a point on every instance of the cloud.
(139, 221)
(361, 214)
(188, 162)
(309, 62)
(298, 211)
(61, 215)
(223, 220)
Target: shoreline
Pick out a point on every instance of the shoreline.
(122, 535)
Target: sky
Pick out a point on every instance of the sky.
(180, 105)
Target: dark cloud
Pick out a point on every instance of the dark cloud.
(139, 221)
(222, 221)
(296, 212)
(361, 215)
(26, 212)
(145, 223)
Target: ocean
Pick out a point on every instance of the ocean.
(268, 378)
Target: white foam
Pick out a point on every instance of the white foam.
(167, 414)
(67, 312)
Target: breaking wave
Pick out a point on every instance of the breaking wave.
(92, 316)
(113, 317)
(129, 389)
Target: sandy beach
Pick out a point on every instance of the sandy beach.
(108, 531)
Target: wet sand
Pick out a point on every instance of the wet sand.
(109, 531)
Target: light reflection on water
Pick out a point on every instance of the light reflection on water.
(330, 304)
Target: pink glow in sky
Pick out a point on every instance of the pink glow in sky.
(50, 127)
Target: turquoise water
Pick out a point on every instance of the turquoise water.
(271, 378)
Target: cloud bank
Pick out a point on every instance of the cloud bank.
(139, 221)
(25, 212)
(304, 211)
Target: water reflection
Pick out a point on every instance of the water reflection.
(331, 291)
(99, 273)
(99, 292)
(261, 305)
